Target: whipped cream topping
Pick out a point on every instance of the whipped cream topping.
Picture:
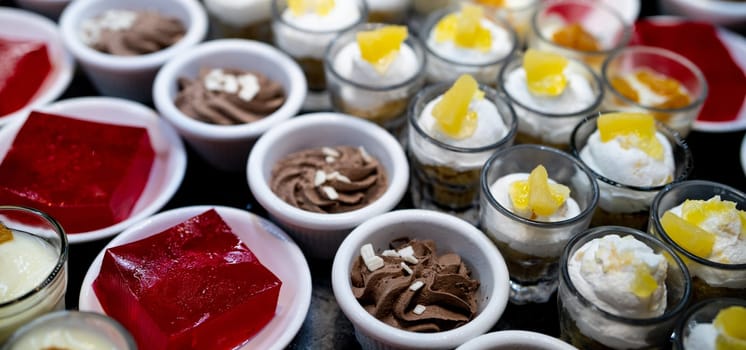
(605, 271)
(308, 35)
(350, 64)
(344, 14)
(240, 13)
(501, 46)
(131, 33)
(388, 5)
(25, 262)
(701, 337)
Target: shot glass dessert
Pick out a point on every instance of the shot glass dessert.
(534, 199)
(656, 81)
(466, 40)
(517, 12)
(304, 29)
(33, 261)
(418, 279)
(704, 222)
(388, 11)
(373, 72)
(72, 330)
(712, 324)
(585, 30)
(633, 158)
(453, 130)
(550, 95)
(244, 19)
(620, 288)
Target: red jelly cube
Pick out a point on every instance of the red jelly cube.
(24, 65)
(192, 286)
(85, 174)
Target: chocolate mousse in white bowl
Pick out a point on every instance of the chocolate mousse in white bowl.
(223, 94)
(320, 175)
(121, 45)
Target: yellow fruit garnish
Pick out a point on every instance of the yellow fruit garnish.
(5, 234)
(675, 94)
(379, 47)
(464, 29)
(697, 211)
(495, 3)
(687, 235)
(452, 112)
(742, 215)
(623, 87)
(544, 72)
(644, 283)
(637, 130)
(731, 325)
(538, 194)
(574, 36)
(320, 7)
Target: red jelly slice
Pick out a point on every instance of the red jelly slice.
(24, 65)
(192, 286)
(87, 175)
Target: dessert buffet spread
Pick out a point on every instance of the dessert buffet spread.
(474, 167)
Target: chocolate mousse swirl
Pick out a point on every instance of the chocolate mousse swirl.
(229, 96)
(447, 293)
(148, 33)
(329, 179)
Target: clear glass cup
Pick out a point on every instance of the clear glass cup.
(542, 120)
(445, 177)
(605, 24)
(74, 330)
(308, 45)
(710, 279)
(587, 326)
(447, 68)
(532, 248)
(388, 11)
(243, 19)
(34, 232)
(517, 13)
(623, 204)
(631, 59)
(695, 330)
(382, 102)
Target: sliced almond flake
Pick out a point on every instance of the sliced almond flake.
(330, 192)
(330, 159)
(390, 252)
(406, 268)
(363, 153)
(419, 309)
(373, 263)
(249, 87)
(337, 176)
(330, 152)
(366, 251)
(6, 234)
(410, 259)
(319, 178)
(407, 254)
(416, 285)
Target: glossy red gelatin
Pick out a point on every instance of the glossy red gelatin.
(87, 175)
(192, 286)
(24, 65)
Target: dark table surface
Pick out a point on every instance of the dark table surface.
(716, 158)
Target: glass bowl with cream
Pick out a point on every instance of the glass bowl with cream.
(712, 324)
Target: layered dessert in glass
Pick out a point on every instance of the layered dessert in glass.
(465, 39)
(620, 288)
(245, 19)
(705, 223)
(550, 94)
(517, 12)
(388, 11)
(453, 130)
(633, 157)
(534, 199)
(712, 324)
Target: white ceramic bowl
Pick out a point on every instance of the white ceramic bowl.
(22, 24)
(319, 234)
(49, 8)
(130, 77)
(515, 339)
(450, 234)
(169, 164)
(227, 146)
(717, 12)
(270, 245)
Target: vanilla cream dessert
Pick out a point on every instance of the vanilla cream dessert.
(248, 19)
(516, 12)
(724, 333)
(388, 11)
(64, 337)
(25, 262)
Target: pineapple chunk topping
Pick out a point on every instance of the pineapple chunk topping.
(697, 211)
(731, 331)
(574, 36)
(464, 28)
(670, 88)
(625, 88)
(537, 194)
(301, 7)
(633, 130)
(379, 47)
(452, 112)
(495, 3)
(688, 235)
(544, 72)
(6, 234)
(644, 284)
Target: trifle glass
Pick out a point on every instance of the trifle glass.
(529, 233)
(703, 222)
(710, 324)
(657, 81)
(620, 288)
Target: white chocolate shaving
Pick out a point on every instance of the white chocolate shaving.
(330, 159)
(114, 20)
(390, 252)
(416, 285)
(419, 309)
(366, 251)
(330, 192)
(407, 254)
(406, 268)
(363, 153)
(373, 263)
(245, 85)
(319, 178)
(337, 176)
(330, 152)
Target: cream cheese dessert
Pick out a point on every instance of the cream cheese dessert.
(724, 332)
(249, 19)
(25, 262)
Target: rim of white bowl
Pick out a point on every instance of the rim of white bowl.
(515, 338)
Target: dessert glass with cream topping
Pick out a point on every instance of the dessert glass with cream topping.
(534, 199)
(633, 157)
(453, 130)
(705, 223)
(712, 324)
(517, 12)
(373, 72)
(585, 30)
(550, 94)
(33, 267)
(465, 39)
(656, 81)
(620, 288)
(244, 19)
